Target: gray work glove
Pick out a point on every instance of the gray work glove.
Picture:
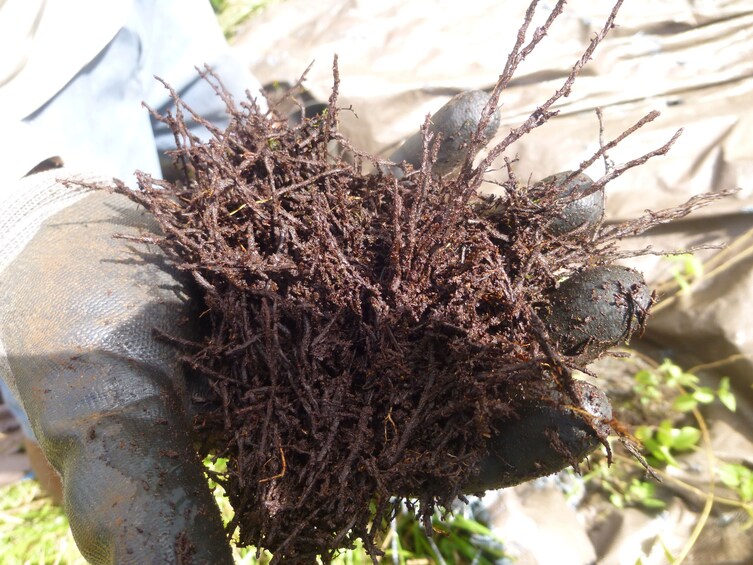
(108, 401)
(105, 399)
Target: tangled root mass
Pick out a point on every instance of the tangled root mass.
(367, 334)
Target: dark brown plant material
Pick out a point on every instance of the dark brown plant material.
(367, 335)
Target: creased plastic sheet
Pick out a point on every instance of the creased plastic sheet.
(692, 61)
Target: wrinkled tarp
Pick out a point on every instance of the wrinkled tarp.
(692, 61)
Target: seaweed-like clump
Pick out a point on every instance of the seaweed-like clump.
(367, 333)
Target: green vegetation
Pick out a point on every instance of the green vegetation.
(456, 540)
(459, 540)
(32, 530)
(232, 13)
(673, 397)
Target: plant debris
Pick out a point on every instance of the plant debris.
(367, 334)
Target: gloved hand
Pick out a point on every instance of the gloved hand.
(109, 404)
(593, 311)
(106, 400)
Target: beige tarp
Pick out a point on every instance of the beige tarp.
(691, 60)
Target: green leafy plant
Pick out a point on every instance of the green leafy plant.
(665, 440)
(669, 379)
(739, 478)
(33, 530)
(457, 539)
(625, 489)
(668, 382)
(668, 399)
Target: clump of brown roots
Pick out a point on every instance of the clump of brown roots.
(366, 334)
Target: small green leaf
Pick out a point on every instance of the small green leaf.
(686, 269)
(664, 432)
(724, 384)
(729, 474)
(642, 493)
(646, 377)
(688, 379)
(726, 396)
(681, 281)
(738, 477)
(460, 521)
(673, 372)
(654, 503)
(641, 490)
(617, 500)
(667, 456)
(654, 448)
(704, 395)
(685, 402)
(686, 438)
(647, 393)
(728, 399)
(693, 267)
(746, 490)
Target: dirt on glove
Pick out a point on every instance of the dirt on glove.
(366, 334)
